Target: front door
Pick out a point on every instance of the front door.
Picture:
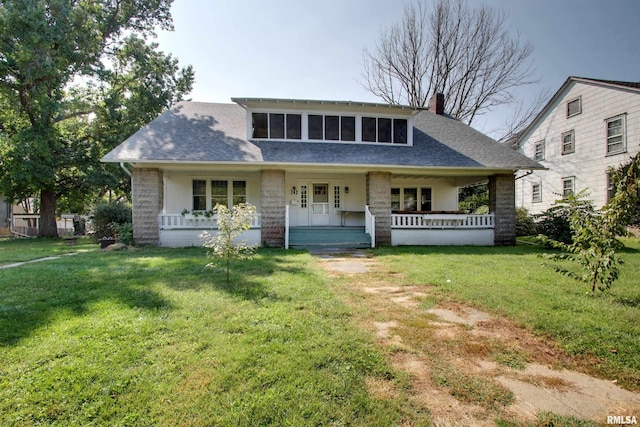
(320, 204)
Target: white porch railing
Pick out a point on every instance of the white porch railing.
(442, 221)
(189, 221)
(370, 225)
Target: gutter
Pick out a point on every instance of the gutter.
(127, 171)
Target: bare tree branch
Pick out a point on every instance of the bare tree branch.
(466, 53)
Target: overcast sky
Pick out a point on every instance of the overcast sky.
(314, 49)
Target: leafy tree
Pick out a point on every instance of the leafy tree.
(474, 198)
(223, 247)
(593, 245)
(465, 52)
(75, 79)
(626, 199)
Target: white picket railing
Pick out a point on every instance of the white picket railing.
(442, 221)
(370, 225)
(190, 221)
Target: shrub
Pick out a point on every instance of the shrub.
(124, 232)
(554, 223)
(525, 225)
(105, 215)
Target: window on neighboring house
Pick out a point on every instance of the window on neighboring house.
(611, 189)
(536, 193)
(568, 188)
(538, 153)
(276, 125)
(616, 135)
(574, 107)
(199, 189)
(568, 142)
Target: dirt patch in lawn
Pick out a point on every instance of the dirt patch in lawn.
(467, 366)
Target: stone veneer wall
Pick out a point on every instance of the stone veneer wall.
(273, 208)
(379, 201)
(502, 202)
(147, 196)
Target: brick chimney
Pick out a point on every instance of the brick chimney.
(436, 103)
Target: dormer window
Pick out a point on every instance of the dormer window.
(328, 121)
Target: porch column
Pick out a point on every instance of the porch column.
(147, 193)
(379, 201)
(273, 208)
(502, 203)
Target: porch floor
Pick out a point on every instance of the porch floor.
(329, 237)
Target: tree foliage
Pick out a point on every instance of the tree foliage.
(466, 53)
(75, 79)
(225, 246)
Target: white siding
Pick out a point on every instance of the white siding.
(589, 163)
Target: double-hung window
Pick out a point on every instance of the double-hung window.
(568, 187)
(574, 107)
(616, 138)
(536, 193)
(208, 194)
(568, 142)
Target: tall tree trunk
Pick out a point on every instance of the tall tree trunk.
(48, 226)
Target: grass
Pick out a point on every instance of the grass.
(20, 250)
(148, 337)
(603, 330)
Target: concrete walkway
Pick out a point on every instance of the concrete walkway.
(18, 264)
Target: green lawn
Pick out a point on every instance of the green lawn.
(515, 283)
(148, 337)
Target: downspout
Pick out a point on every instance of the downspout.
(127, 171)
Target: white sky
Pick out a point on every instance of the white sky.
(313, 49)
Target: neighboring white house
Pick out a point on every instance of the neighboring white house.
(588, 126)
(319, 172)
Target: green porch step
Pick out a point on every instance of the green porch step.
(338, 237)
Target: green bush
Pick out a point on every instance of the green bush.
(554, 222)
(525, 225)
(105, 215)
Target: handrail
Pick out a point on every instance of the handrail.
(370, 225)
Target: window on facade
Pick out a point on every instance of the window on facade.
(538, 151)
(395, 199)
(411, 199)
(199, 189)
(615, 135)
(574, 107)
(239, 192)
(384, 130)
(336, 196)
(425, 199)
(536, 193)
(568, 142)
(369, 125)
(399, 131)
(316, 126)
(567, 187)
(332, 128)
(260, 125)
(303, 196)
(274, 125)
(294, 126)
(219, 193)
(348, 128)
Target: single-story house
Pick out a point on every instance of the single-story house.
(319, 172)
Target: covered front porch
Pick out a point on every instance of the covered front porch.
(389, 208)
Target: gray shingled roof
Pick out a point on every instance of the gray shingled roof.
(206, 132)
